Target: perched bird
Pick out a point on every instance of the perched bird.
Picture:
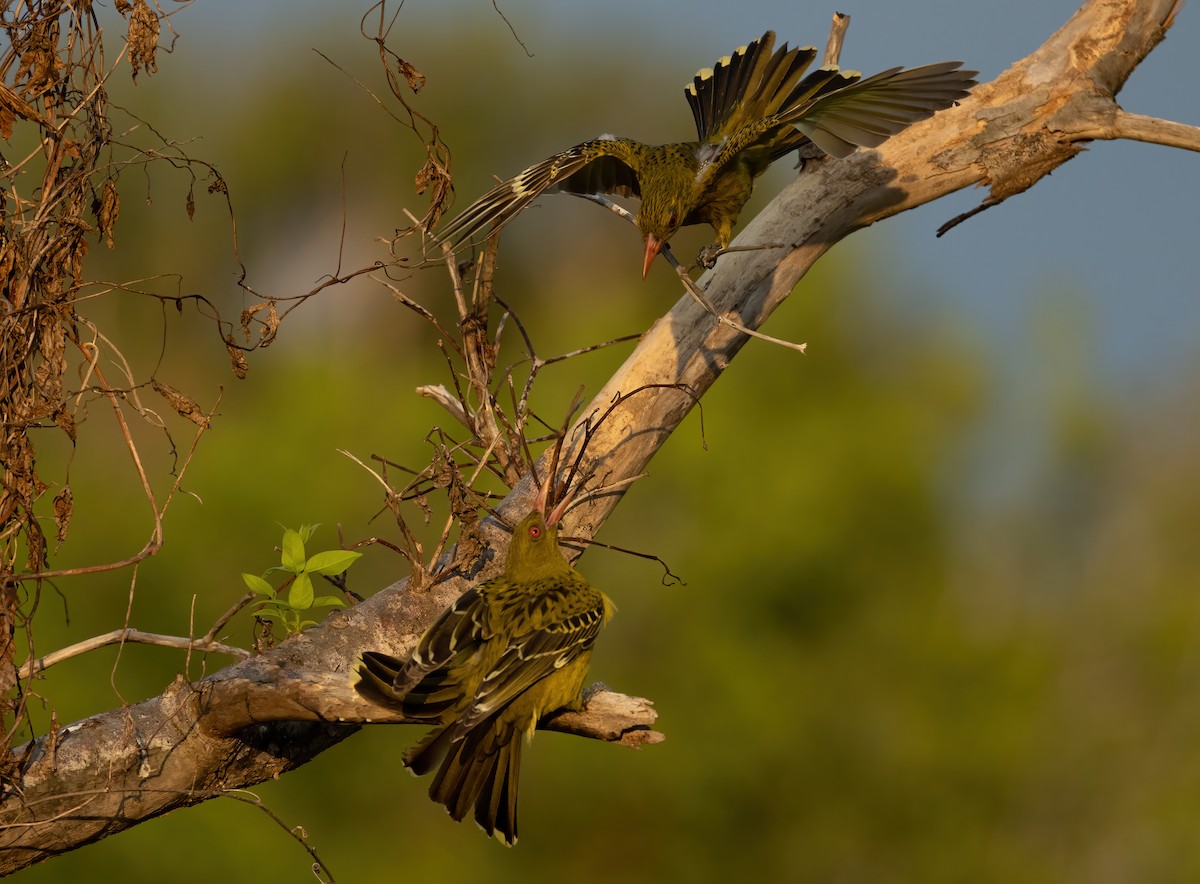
(506, 653)
(750, 108)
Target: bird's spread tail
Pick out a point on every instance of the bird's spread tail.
(745, 87)
(479, 770)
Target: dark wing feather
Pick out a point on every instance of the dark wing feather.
(603, 165)
(424, 683)
(839, 112)
(532, 657)
(764, 139)
(605, 174)
(714, 92)
(744, 87)
(867, 113)
(462, 627)
(376, 674)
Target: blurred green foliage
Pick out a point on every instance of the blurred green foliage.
(922, 637)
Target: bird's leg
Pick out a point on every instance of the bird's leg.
(591, 691)
(707, 257)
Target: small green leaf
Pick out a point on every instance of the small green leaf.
(258, 585)
(293, 551)
(307, 531)
(328, 601)
(300, 595)
(331, 562)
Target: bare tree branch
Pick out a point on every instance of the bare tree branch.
(118, 636)
(1151, 130)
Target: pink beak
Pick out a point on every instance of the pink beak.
(653, 247)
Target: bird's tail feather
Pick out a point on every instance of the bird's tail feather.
(377, 676)
(496, 806)
(425, 755)
(480, 770)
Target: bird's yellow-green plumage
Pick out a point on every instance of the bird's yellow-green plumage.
(505, 654)
(750, 108)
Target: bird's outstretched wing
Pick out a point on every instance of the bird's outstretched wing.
(868, 112)
(839, 112)
(603, 165)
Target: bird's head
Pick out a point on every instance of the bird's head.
(660, 215)
(533, 552)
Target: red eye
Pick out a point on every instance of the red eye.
(535, 531)
(673, 220)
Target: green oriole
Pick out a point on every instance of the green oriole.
(751, 108)
(505, 654)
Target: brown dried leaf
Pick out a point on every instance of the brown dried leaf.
(415, 78)
(240, 366)
(272, 329)
(183, 404)
(40, 63)
(106, 209)
(8, 254)
(35, 542)
(66, 423)
(248, 316)
(64, 507)
(422, 502)
(76, 257)
(434, 175)
(143, 39)
(471, 540)
(424, 176)
(13, 106)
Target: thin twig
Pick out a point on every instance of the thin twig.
(697, 295)
(220, 622)
(297, 833)
(688, 283)
(119, 636)
(668, 574)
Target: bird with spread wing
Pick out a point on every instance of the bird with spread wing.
(751, 108)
